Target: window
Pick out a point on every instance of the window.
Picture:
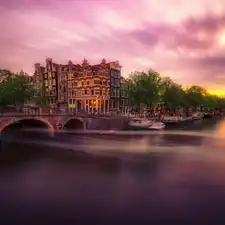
(82, 92)
(94, 73)
(54, 82)
(82, 83)
(88, 83)
(70, 101)
(100, 92)
(53, 75)
(112, 81)
(92, 92)
(96, 81)
(118, 93)
(54, 91)
(85, 92)
(100, 82)
(97, 92)
(114, 92)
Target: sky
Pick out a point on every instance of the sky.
(178, 38)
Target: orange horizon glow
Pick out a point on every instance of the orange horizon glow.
(218, 92)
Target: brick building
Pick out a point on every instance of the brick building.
(81, 87)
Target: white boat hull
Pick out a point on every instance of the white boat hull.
(157, 126)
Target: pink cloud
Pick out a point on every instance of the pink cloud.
(177, 38)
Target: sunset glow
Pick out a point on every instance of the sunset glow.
(181, 39)
(218, 92)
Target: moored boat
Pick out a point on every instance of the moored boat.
(157, 126)
(139, 124)
(207, 115)
(145, 124)
(170, 119)
(197, 116)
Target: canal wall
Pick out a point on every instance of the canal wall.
(112, 123)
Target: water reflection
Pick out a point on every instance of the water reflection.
(164, 178)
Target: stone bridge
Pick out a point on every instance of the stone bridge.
(61, 121)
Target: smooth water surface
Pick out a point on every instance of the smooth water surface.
(174, 176)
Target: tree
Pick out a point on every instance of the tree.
(195, 96)
(40, 96)
(172, 94)
(15, 89)
(221, 103)
(211, 101)
(143, 87)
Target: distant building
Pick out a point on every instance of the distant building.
(123, 95)
(38, 76)
(115, 78)
(48, 75)
(62, 90)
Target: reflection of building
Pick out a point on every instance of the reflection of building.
(123, 95)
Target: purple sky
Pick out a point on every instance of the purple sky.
(179, 38)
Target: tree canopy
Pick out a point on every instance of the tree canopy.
(150, 88)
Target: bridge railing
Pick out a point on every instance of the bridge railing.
(78, 114)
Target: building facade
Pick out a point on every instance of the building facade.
(88, 87)
(115, 78)
(62, 90)
(38, 76)
(51, 83)
(81, 87)
(124, 95)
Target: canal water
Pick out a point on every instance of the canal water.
(176, 176)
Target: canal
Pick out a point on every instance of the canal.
(172, 177)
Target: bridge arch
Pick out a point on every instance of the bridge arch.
(74, 123)
(40, 122)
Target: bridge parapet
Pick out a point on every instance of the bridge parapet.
(58, 121)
